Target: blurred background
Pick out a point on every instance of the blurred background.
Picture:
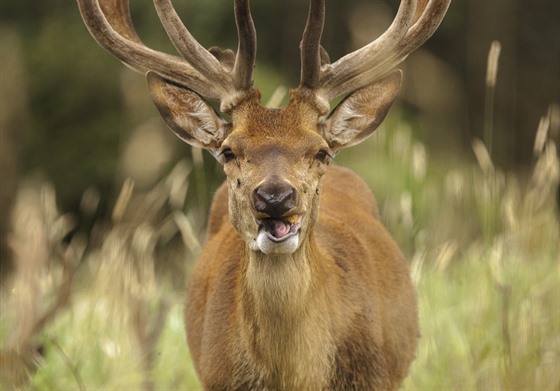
(86, 158)
(69, 110)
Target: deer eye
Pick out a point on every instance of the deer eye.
(323, 156)
(228, 155)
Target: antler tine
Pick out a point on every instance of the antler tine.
(426, 25)
(311, 44)
(247, 45)
(375, 60)
(348, 72)
(109, 23)
(121, 21)
(200, 58)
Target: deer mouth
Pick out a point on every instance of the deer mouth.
(279, 230)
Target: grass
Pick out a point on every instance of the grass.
(104, 355)
(482, 334)
(484, 252)
(485, 256)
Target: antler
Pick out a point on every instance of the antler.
(410, 29)
(310, 44)
(207, 72)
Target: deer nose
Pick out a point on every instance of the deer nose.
(274, 198)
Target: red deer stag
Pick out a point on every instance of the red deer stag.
(286, 295)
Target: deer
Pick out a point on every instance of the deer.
(299, 286)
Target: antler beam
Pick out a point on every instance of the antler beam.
(199, 70)
(247, 46)
(311, 44)
(373, 61)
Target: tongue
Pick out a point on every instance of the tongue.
(278, 228)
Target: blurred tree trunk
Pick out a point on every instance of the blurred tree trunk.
(13, 121)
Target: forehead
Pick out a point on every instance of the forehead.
(285, 130)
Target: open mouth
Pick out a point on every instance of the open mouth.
(279, 230)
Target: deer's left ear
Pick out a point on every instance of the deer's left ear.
(359, 114)
(187, 114)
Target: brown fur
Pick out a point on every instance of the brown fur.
(334, 308)
(286, 295)
(354, 328)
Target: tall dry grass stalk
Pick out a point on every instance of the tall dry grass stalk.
(119, 259)
(491, 80)
(42, 283)
(124, 266)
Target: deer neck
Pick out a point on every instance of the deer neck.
(288, 322)
(282, 284)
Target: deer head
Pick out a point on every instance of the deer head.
(273, 158)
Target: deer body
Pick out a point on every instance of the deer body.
(299, 286)
(339, 313)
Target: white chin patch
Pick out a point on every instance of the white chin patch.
(270, 246)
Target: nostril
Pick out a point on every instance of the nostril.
(260, 199)
(288, 197)
(263, 195)
(274, 199)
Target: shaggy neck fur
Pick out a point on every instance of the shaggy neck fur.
(285, 309)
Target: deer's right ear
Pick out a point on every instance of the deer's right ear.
(187, 114)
